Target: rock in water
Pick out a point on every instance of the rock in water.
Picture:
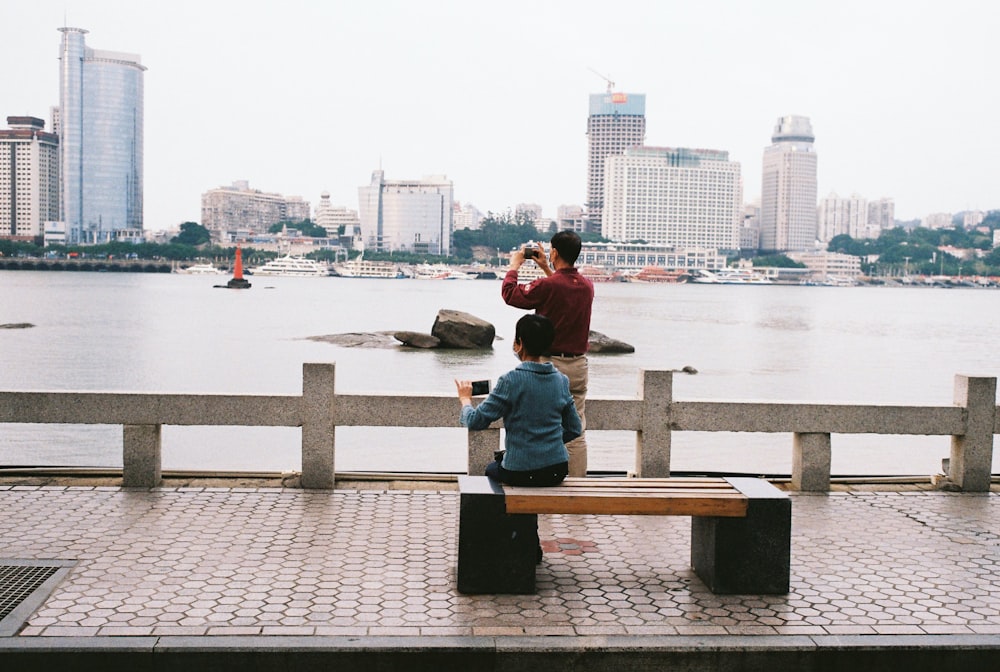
(456, 329)
(17, 325)
(415, 339)
(606, 345)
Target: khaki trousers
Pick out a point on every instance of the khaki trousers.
(575, 368)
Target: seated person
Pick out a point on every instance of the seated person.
(538, 413)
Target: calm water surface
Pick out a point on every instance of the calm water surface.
(176, 333)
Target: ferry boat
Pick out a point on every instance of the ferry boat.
(440, 272)
(363, 268)
(200, 269)
(290, 266)
(731, 276)
(658, 274)
(600, 274)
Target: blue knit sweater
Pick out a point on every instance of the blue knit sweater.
(538, 416)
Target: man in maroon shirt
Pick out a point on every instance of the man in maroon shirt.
(565, 297)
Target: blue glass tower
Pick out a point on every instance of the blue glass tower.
(100, 130)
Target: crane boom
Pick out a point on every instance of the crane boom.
(611, 85)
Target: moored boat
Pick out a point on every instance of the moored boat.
(199, 269)
(731, 276)
(363, 268)
(290, 266)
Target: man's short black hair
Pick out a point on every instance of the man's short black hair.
(567, 244)
(536, 333)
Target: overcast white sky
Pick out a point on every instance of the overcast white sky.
(301, 97)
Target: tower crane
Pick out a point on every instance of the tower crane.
(611, 85)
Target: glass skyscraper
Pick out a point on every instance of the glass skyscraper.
(100, 131)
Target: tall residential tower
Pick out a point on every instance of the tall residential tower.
(29, 178)
(100, 127)
(788, 188)
(617, 121)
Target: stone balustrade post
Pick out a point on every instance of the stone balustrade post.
(141, 456)
(972, 452)
(652, 451)
(318, 426)
(811, 457)
(482, 444)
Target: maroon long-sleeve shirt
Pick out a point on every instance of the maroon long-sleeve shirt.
(565, 297)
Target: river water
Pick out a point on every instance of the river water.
(176, 333)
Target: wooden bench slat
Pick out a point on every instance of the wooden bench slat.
(637, 492)
(595, 504)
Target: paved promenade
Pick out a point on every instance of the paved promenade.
(912, 576)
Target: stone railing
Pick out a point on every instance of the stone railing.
(653, 415)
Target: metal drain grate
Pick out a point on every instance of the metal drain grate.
(24, 585)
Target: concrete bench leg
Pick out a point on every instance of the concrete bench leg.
(749, 555)
(496, 551)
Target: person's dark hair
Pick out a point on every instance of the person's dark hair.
(567, 244)
(535, 333)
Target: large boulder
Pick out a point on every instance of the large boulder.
(456, 329)
(606, 345)
(415, 339)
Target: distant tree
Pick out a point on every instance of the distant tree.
(192, 233)
(776, 261)
(306, 227)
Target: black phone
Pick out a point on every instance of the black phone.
(480, 387)
(530, 253)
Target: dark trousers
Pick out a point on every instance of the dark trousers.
(539, 478)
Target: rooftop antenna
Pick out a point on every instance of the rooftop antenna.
(611, 85)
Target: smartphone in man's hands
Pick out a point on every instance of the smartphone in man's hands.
(480, 387)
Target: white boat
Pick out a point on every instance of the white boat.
(363, 268)
(290, 266)
(440, 272)
(200, 269)
(731, 276)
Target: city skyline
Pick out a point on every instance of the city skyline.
(302, 98)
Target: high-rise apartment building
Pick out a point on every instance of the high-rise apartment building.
(29, 178)
(882, 213)
(838, 216)
(231, 212)
(407, 215)
(788, 188)
(689, 198)
(466, 216)
(617, 121)
(100, 127)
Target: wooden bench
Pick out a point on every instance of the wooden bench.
(740, 527)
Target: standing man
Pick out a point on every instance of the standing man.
(566, 298)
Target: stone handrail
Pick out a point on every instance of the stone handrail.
(653, 415)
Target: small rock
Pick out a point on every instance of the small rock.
(17, 325)
(599, 343)
(415, 339)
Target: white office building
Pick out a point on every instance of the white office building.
(334, 218)
(29, 178)
(788, 188)
(690, 198)
(407, 215)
